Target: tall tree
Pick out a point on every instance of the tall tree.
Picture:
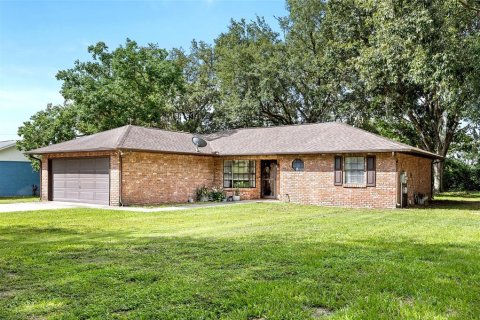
(55, 124)
(419, 65)
(315, 67)
(249, 76)
(194, 106)
(298, 76)
(132, 84)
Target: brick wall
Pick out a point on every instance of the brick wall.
(114, 171)
(419, 172)
(315, 185)
(152, 178)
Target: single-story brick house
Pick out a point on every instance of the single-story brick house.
(17, 177)
(330, 164)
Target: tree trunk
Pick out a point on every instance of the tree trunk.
(438, 167)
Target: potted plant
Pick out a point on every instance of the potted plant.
(236, 195)
(202, 193)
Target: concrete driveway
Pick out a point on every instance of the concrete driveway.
(36, 206)
(53, 205)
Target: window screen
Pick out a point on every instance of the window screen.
(355, 170)
(239, 174)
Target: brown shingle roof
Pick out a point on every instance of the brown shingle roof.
(330, 137)
(139, 138)
(106, 140)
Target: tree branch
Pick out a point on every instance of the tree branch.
(468, 6)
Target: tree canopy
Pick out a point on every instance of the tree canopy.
(132, 84)
(405, 69)
(55, 124)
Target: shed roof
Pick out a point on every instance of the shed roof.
(329, 137)
(7, 144)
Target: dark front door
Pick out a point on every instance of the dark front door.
(269, 178)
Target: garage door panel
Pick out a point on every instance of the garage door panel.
(86, 164)
(102, 196)
(87, 175)
(88, 184)
(81, 180)
(58, 183)
(70, 183)
(90, 171)
(60, 193)
(72, 165)
(86, 195)
(71, 194)
(102, 185)
(59, 167)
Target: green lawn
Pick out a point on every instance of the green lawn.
(460, 196)
(254, 261)
(4, 200)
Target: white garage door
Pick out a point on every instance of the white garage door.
(81, 180)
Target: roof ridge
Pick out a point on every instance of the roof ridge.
(164, 130)
(123, 136)
(276, 126)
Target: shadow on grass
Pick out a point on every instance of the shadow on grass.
(463, 200)
(454, 205)
(48, 272)
(462, 194)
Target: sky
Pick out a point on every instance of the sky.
(38, 38)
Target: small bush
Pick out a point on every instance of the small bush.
(202, 192)
(216, 194)
(459, 176)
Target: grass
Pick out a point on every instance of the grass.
(5, 200)
(255, 261)
(460, 196)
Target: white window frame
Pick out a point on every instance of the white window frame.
(347, 172)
